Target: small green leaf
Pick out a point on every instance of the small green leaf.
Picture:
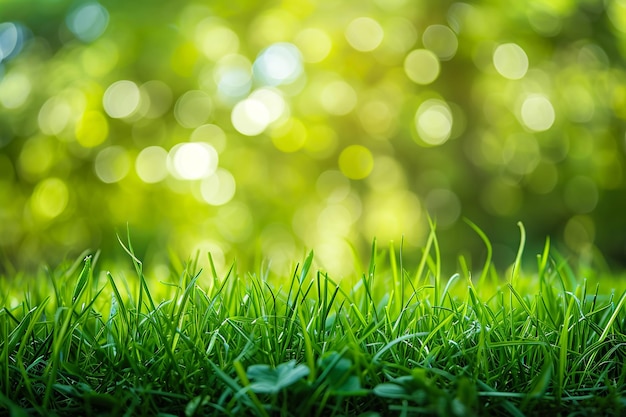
(306, 267)
(391, 390)
(82, 279)
(339, 374)
(267, 380)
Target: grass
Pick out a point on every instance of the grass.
(393, 342)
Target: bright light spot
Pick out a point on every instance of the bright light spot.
(15, 88)
(364, 34)
(433, 121)
(273, 101)
(54, 116)
(581, 194)
(250, 117)
(92, 129)
(192, 160)
(112, 164)
(422, 66)
(280, 63)
(151, 165)
(338, 98)
(121, 99)
(11, 39)
(88, 21)
(315, 44)
(441, 40)
(219, 188)
(233, 77)
(537, 113)
(50, 198)
(510, 61)
(356, 162)
(215, 40)
(193, 109)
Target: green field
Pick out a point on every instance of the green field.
(399, 340)
(290, 182)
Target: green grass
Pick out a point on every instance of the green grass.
(399, 340)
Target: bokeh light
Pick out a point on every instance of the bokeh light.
(36, 157)
(393, 215)
(11, 40)
(219, 188)
(537, 113)
(278, 64)
(233, 77)
(192, 160)
(14, 90)
(112, 164)
(251, 117)
(193, 109)
(314, 43)
(54, 116)
(510, 61)
(88, 21)
(49, 198)
(92, 129)
(441, 40)
(433, 121)
(156, 98)
(422, 66)
(356, 162)
(151, 164)
(215, 39)
(283, 127)
(121, 99)
(338, 97)
(364, 34)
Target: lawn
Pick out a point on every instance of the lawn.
(399, 340)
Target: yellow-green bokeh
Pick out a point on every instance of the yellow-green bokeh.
(255, 129)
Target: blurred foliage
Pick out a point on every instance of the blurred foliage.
(261, 128)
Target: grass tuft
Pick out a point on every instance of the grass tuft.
(395, 343)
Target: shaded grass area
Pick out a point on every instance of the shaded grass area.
(395, 342)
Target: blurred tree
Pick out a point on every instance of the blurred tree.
(262, 128)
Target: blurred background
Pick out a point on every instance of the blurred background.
(259, 130)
